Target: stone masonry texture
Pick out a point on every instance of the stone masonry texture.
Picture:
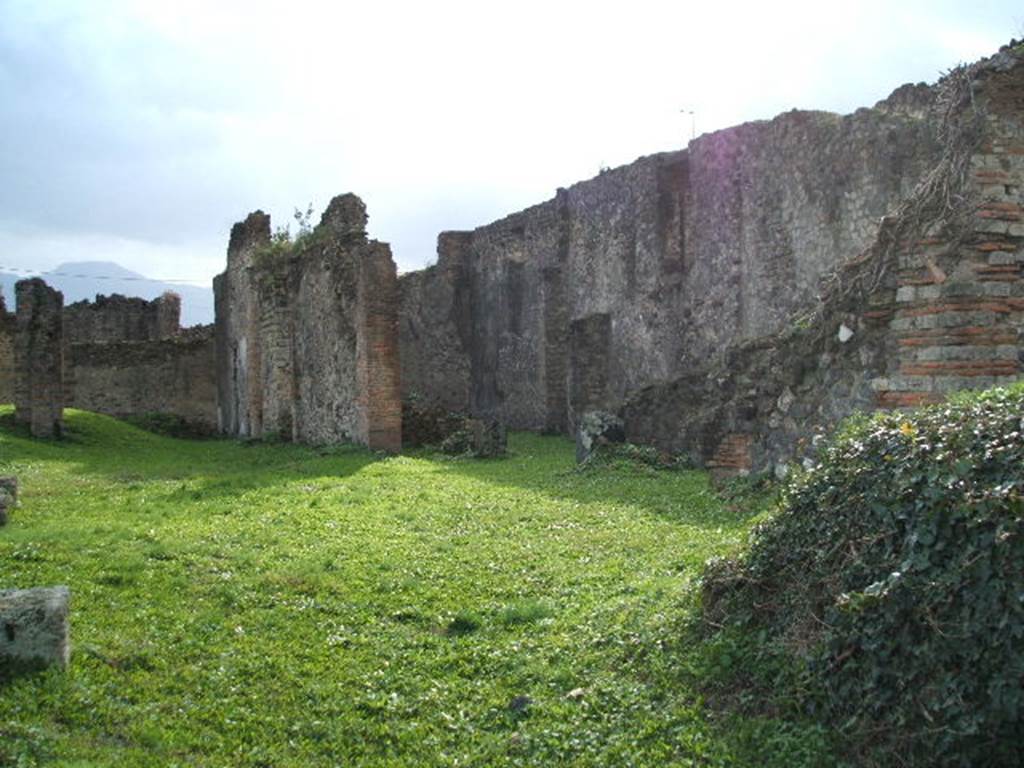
(307, 336)
(943, 311)
(131, 357)
(729, 301)
(686, 252)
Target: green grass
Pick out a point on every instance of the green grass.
(275, 605)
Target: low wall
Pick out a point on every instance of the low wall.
(173, 376)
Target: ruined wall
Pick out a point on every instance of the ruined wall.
(129, 357)
(38, 358)
(307, 337)
(8, 323)
(771, 207)
(121, 318)
(172, 375)
(934, 304)
(684, 252)
(238, 365)
(690, 290)
(435, 326)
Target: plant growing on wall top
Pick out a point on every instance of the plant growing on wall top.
(283, 243)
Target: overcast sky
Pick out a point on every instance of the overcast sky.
(138, 132)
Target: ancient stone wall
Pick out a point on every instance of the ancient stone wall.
(8, 323)
(307, 335)
(705, 265)
(934, 304)
(130, 357)
(121, 318)
(38, 358)
(435, 318)
(169, 376)
(239, 400)
(685, 252)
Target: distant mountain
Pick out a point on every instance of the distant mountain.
(79, 280)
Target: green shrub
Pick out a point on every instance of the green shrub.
(894, 571)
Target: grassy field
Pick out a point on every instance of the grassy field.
(274, 605)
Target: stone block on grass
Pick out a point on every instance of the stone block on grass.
(34, 628)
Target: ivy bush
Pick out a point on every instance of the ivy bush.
(893, 573)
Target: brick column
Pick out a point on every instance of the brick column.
(378, 369)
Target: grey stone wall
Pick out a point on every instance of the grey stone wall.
(119, 356)
(172, 376)
(307, 336)
(773, 206)
(685, 252)
(940, 306)
(435, 318)
(703, 263)
(238, 363)
(38, 358)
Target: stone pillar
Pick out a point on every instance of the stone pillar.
(39, 358)
(34, 627)
(277, 354)
(237, 340)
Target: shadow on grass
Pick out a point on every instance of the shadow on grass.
(121, 453)
(546, 465)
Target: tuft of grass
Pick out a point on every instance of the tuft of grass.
(525, 611)
(274, 604)
(463, 623)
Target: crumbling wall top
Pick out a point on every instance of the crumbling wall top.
(246, 236)
(345, 217)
